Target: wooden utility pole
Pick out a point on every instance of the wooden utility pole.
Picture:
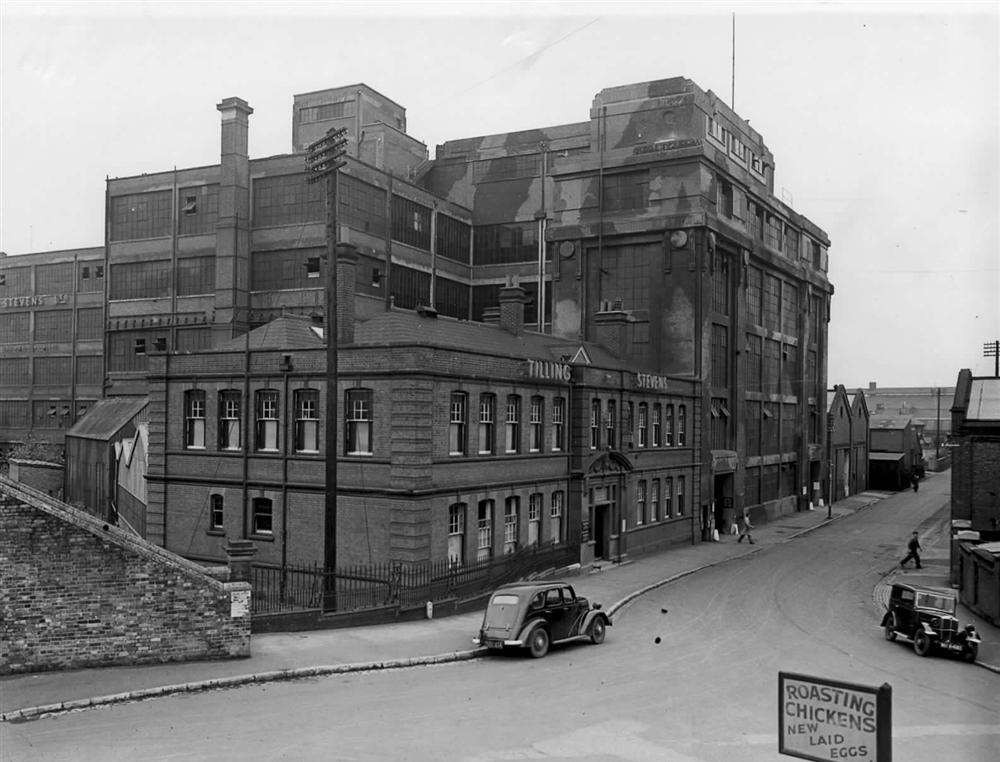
(324, 158)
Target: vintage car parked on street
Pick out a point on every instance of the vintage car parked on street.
(926, 615)
(536, 615)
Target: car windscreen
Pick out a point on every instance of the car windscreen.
(935, 601)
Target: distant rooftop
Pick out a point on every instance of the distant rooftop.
(984, 400)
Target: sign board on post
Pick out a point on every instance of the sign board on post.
(825, 720)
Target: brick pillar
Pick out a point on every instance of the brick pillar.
(239, 554)
(347, 265)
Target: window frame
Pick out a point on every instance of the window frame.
(306, 401)
(195, 411)
(267, 420)
(355, 424)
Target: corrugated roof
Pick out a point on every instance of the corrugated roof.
(984, 400)
(285, 332)
(106, 417)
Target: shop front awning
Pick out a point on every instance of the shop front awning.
(890, 457)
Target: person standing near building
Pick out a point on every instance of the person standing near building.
(745, 527)
(915, 481)
(914, 547)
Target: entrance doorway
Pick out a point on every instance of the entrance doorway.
(723, 494)
(601, 519)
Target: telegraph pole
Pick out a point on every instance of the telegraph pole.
(992, 349)
(323, 160)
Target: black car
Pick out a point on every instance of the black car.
(926, 615)
(535, 615)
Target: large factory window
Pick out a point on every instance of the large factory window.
(55, 279)
(505, 243)
(627, 190)
(287, 200)
(360, 205)
(141, 215)
(452, 239)
(140, 280)
(411, 223)
(53, 371)
(199, 210)
(195, 275)
(89, 370)
(90, 323)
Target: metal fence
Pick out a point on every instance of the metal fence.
(355, 588)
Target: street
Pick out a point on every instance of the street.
(706, 691)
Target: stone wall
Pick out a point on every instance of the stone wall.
(80, 593)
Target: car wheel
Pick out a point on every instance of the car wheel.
(890, 629)
(921, 644)
(970, 652)
(538, 643)
(597, 631)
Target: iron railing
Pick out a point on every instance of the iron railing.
(355, 588)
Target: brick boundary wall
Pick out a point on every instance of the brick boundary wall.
(77, 592)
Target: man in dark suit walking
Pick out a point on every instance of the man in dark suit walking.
(914, 547)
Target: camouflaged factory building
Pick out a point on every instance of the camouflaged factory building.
(651, 227)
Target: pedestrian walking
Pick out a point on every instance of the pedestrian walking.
(745, 527)
(914, 547)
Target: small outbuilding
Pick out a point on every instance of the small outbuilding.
(895, 455)
(94, 447)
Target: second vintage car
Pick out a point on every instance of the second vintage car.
(536, 615)
(926, 615)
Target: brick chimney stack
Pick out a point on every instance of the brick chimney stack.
(347, 265)
(512, 299)
(232, 238)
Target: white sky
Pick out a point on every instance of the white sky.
(883, 120)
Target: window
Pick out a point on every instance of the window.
(536, 415)
(90, 323)
(682, 426)
(505, 243)
(720, 286)
(720, 424)
(141, 280)
(769, 436)
(512, 425)
(654, 501)
(680, 495)
(267, 420)
(263, 516)
(487, 413)
(657, 424)
(456, 534)
(53, 325)
(312, 267)
(199, 210)
(640, 502)
(511, 511)
(360, 205)
(359, 421)
(720, 355)
(484, 540)
(754, 295)
(611, 423)
(724, 199)
(754, 344)
(714, 128)
(411, 223)
(307, 420)
(326, 111)
(772, 302)
(556, 517)
(668, 497)
(595, 424)
(15, 326)
(216, 514)
(286, 269)
(230, 420)
(452, 239)
(753, 413)
(558, 424)
(457, 423)
(789, 308)
(141, 215)
(194, 419)
(160, 343)
(534, 517)
(626, 190)
(287, 200)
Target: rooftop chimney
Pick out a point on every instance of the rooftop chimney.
(512, 299)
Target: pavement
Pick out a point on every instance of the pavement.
(283, 656)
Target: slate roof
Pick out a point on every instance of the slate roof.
(984, 400)
(106, 417)
(285, 332)
(400, 327)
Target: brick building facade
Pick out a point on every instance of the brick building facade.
(51, 341)
(848, 424)
(456, 440)
(975, 451)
